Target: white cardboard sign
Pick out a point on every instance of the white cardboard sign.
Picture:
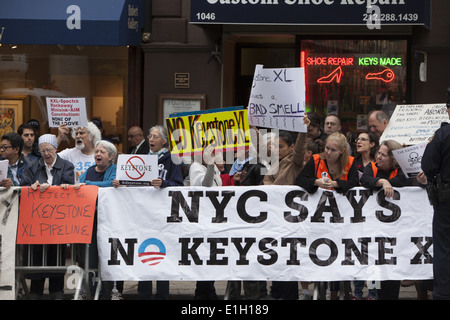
(277, 99)
(413, 124)
(410, 159)
(136, 169)
(71, 111)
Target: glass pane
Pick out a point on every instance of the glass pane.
(99, 74)
(269, 57)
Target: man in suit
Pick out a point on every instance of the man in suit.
(138, 143)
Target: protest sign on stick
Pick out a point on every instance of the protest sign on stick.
(56, 216)
(71, 111)
(277, 99)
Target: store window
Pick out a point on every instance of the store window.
(30, 73)
(269, 55)
(352, 77)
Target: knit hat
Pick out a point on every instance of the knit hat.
(48, 138)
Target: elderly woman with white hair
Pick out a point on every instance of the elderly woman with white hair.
(101, 174)
(49, 170)
(169, 175)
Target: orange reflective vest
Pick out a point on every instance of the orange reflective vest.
(375, 171)
(320, 167)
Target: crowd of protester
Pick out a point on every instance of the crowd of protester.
(322, 157)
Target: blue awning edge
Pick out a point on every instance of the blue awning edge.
(72, 22)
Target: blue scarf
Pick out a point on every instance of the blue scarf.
(159, 152)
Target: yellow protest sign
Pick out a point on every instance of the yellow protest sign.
(225, 128)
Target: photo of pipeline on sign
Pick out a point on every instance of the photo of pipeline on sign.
(225, 129)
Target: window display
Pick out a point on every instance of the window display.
(350, 78)
(31, 73)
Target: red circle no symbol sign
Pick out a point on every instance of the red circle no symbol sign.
(135, 162)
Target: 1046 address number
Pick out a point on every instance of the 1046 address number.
(210, 16)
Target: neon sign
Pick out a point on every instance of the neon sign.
(387, 75)
(335, 75)
(350, 61)
(374, 61)
(329, 61)
(342, 62)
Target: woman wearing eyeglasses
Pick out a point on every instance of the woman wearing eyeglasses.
(385, 174)
(367, 145)
(50, 170)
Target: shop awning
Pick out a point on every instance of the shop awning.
(72, 22)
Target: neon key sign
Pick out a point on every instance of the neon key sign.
(384, 74)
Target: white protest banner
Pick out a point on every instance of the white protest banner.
(278, 233)
(413, 124)
(71, 111)
(136, 169)
(277, 99)
(410, 159)
(9, 204)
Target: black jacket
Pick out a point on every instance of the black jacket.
(63, 172)
(143, 149)
(436, 158)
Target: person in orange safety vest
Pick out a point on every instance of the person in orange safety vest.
(332, 169)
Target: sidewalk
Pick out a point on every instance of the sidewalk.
(184, 290)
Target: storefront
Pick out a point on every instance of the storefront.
(352, 65)
(64, 48)
(354, 76)
(354, 62)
